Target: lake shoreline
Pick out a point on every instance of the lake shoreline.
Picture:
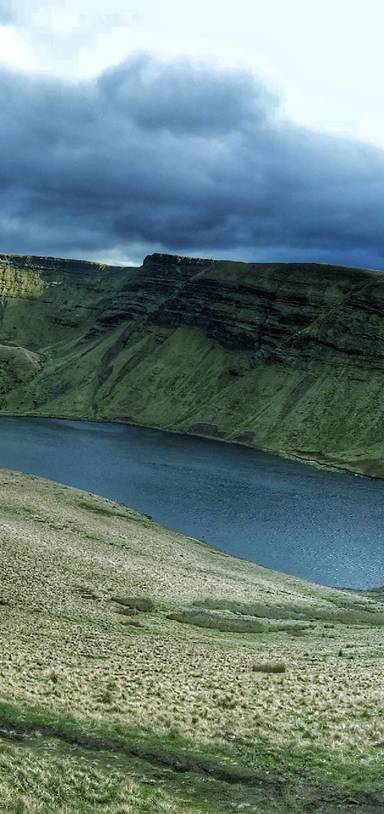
(239, 499)
(290, 456)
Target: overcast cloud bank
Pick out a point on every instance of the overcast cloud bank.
(181, 157)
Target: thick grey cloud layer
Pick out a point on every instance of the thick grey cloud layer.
(180, 157)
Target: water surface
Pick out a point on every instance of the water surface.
(320, 525)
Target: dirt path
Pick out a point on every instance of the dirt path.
(246, 784)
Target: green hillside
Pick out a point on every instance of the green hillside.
(285, 357)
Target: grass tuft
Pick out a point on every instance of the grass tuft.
(265, 667)
(139, 603)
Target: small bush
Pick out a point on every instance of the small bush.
(276, 667)
(139, 603)
(130, 620)
(297, 631)
(127, 611)
(85, 592)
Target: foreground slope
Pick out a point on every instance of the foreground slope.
(265, 697)
(286, 357)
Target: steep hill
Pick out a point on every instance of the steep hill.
(142, 672)
(285, 357)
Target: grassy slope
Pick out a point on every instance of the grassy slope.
(99, 714)
(301, 373)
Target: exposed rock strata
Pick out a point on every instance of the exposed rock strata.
(287, 357)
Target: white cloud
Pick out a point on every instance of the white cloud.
(15, 51)
(326, 57)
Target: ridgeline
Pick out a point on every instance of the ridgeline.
(288, 358)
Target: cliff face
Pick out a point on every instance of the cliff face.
(287, 357)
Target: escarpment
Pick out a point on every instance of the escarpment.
(286, 357)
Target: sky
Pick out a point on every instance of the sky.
(251, 130)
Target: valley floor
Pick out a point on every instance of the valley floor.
(142, 671)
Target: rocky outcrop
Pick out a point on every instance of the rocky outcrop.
(21, 363)
(287, 357)
(283, 310)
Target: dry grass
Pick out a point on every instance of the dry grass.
(60, 784)
(65, 648)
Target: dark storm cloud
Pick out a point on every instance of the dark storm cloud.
(180, 157)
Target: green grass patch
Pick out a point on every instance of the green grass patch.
(143, 604)
(349, 615)
(216, 620)
(293, 778)
(268, 667)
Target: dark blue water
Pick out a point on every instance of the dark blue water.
(320, 525)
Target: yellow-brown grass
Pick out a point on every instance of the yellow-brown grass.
(64, 557)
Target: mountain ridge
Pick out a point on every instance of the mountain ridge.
(286, 357)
